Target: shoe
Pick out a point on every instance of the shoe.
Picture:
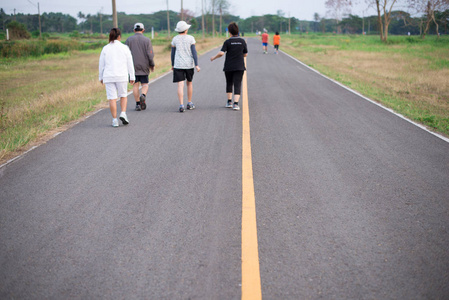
(190, 105)
(138, 107)
(124, 118)
(235, 107)
(114, 122)
(181, 108)
(143, 105)
(229, 104)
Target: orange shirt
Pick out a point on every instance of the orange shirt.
(265, 38)
(276, 39)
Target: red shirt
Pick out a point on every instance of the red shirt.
(265, 37)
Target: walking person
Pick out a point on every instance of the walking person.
(276, 42)
(265, 37)
(115, 69)
(142, 52)
(183, 59)
(236, 50)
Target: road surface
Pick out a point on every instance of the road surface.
(352, 201)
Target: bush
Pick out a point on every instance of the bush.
(18, 31)
(75, 34)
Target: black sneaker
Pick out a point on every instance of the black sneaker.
(229, 104)
(190, 105)
(138, 107)
(143, 105)
(236, 106)
(181, 108)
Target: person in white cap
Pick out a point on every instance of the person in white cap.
(142, 51)
(184, 59)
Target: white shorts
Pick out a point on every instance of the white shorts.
(116, 89)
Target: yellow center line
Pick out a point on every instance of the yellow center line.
(251, 288)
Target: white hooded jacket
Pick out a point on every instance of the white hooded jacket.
(116, 63)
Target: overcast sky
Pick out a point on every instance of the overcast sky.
(301, 9)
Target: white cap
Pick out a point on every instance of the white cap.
(138, 25)
(182, 26)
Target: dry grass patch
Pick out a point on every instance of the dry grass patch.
(412, 81)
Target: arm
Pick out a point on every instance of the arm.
(150, 56)
(219, 54)
(129, 59)
(173, 52)
(195, 57)
(101, 67)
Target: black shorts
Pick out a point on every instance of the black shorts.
(141, 78)
(276, 47)
(182, 74)
(234, 79)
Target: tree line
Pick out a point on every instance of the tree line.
(399, 22)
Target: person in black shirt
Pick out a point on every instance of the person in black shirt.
(234, 67)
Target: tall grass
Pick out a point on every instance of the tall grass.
(35, 48)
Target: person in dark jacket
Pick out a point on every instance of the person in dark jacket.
(142, 52)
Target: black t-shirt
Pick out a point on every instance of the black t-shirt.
(234, 47)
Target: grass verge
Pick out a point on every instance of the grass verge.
(408, 75)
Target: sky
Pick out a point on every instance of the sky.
(300, 9)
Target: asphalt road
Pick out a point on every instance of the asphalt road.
(352, 201)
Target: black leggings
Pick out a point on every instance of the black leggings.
(234, 78)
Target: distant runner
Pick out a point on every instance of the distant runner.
(265, 41)
(276, 42)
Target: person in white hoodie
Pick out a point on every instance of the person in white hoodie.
(115, 69)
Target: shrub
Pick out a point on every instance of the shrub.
(18, 31)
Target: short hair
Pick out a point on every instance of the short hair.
(114, 34)
(233, 28)
(138, 29)
(277, 33)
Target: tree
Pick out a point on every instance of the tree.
(82, 16)
(385, 7)
(316, 18)
(223, 6)
(338, 8)
(430, 8)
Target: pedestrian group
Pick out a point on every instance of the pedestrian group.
(133, 61)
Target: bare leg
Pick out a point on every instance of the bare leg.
(236, 98)
(136, 91)
(181, 92)
(123, 103)
(229, 96)
(145, 88)
(113, 107)
(189, 90)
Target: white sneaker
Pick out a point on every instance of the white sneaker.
(114, 122)
(124, 118)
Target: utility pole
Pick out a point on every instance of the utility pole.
(168, 21)
(202, 16)
(40, 27)
(39, 16)
(101, 23)
(289, 24)
(182, 11)
(114, 15)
